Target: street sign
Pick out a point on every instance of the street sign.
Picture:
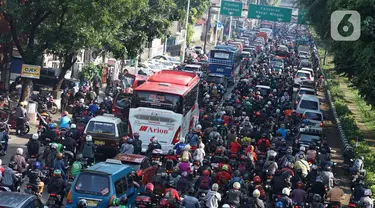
(302, 17)
(219, 25)
(231, 8)
(30, 71)
(269, 13)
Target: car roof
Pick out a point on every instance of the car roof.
(307, 89)
(313, 111)
(309, 97)
(263, 86)
(307, 69)
(109, 167)
(303, 71)
(13, 199)
(193, 65)
(106, 118)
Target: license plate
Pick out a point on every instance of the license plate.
(91, 203)
(99, 142)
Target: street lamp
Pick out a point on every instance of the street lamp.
(186, 32)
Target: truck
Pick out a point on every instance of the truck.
(263, 35)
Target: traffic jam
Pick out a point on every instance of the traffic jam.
(239, 126)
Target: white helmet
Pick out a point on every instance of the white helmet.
(368, 192)
(207, 96)
(54, 146)
(226, 206)
(269, 103)
(182, 139)
(286, 191)
(82, 100)
(302, 149)
(19, 151)
(277, 110)
(187, 147)
(199, 127)
(274, 90)
(155, 140)
(236, 185)
(88, 138)
(35, 136)
(256, 193)
(73, 126)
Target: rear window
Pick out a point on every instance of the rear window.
(313, 116)
(296, 85)
(97, 127)
(308, 104)
(305, 64)
(123, 101)
(307, 92)
(302, 74)
(93, 184)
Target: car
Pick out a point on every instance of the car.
(193, 68)
(264, 90)
(302, 75)
(121, 102)
(171, 59)
(137, 162)
(309, 70)
(307, 136)
(19, 200)
(302, 90)
(217, 79)
(314, 118)
(307, 102)
(303, 54)
(48, 78)
(101, 183)
(304, 63)
(107, 132)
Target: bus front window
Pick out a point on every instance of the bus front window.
(158, 100)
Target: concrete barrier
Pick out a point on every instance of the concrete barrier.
(31, 112)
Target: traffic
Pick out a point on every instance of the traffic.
(240, 126)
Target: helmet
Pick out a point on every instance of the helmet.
(79, 157)
(51, 126)
(328, 168)
(317, 198)
(257, 179)
(82, 203)
(256, 193)
(224, 168)
(73, 126)
(22, 104)
(191, 191)
(171, 152)
(279, 204)
(319, 179)
(182, 139)
(184, 174)
(199, 127)
(206, 173)
(57, 173)
(207, 96)
(149, 187)
(19, 151)
(302, 149)
(236, 185)
(215, 187)
(154, 140)
(136, 135)
(54, 146)
(277, 110)
(286, 191)
(59, 155)
(269, 103)
(300, 184)
(88, 138)
(301, 156)
(82, 100)
(35, 136)
(187, 147)
(65, 113)
(36, 165)
(226, 206)
(368, 192)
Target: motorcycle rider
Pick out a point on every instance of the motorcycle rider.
(235, 195)
(258, 203)
(77, 165)
(328, 176)
(283, 131)
(94, 108)
(223, 177)
(33, 145)
(183, 184)
(319, 187)
(49, 133)
(10, 178)
(50, 155)
(358, 191)
(288, 158)
(213, 197)
(302, 164)
(137, 143)
(20, 164)
(270, 166)
(4, 137)
(277, 183)
(149, 189)
(154, 144)
(180, 146)
(366, 201)
(127, 146)
(21, 116)
(358, 166)
(285, 198)
(58, 164)
(65, 120)
(335, 194)
(88, 151)
(35, 177)
(190, 201)
(317, 201)
(184, 165)
(172, 195)
(299, 195)
(69, 144)
(57, 185)
(73, 132)
(311, 154)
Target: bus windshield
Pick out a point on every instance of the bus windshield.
(221, 55)
(158, 100)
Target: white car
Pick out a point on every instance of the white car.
(307, 102)
(302, 76)
(171, 59)
(314, 118)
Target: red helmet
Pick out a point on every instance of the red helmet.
(257, 179)
(243, 157)
(150, 187)
(257, 113)
(238, 101)
(300, 184)
(206, 173)
(205, 116)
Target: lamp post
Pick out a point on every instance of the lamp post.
(217, 22)
(186, 32)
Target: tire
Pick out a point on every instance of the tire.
(54, 109)
(26, 130)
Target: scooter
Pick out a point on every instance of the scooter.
(54, 200)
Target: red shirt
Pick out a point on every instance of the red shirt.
(2, 169)
(268, 144)
(223, 175)
(174, 193)
(234, 147)
(222, 164)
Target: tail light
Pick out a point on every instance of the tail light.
(69, 197)
(175, 138)
(28, 186)
(308, 78)
(111, 201)
(296, 207)
(321, 124)
(113, 110)
(53, 194)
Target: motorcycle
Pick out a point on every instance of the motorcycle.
(156, 155)
(68, 157)
(32, 189)
(143, 202)
(54, 200)
(12, 123)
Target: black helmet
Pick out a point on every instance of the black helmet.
(317, 198)
(328, 168)
(171, 152)
(225, 159)
(191, 191)
(170, 184)
(264, 135)
(271, 158)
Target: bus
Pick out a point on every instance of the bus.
(225, 60)
(165, 106)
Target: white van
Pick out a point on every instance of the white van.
(309, 70)
(302, 76)
(307, 102)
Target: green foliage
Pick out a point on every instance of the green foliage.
(190, 34)
(354, 59)
(89, 71)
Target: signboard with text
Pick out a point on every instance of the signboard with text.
(269, 13)
(302, 17)
(30, 71)
(231, 8)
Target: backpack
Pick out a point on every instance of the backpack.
(205, 183)
(263, 146)
(169, 196)
(169, 164)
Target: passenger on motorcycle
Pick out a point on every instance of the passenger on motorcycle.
(235, 195)
(58, 164)
(358, 191)
(302, 151)
(49, 155)
(171, 156)
(299, 195)
(285, 199)
(88, 150)
(327, 176)
(58, 185)
(36, 176)
(49, 133)
(19, 161)
(154, 144)
(65, 120)
(127, 146)
(33, 145)
(367, 201)
(213, 197)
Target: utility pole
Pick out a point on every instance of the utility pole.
(230, 28)
(217, 21)
(186, 32)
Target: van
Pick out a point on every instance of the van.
(302, 75)
(19, 200)
(314, 118)
(309, 70)
(101, 183)
(307, 102)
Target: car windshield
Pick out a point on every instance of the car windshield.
(313, 116)
(92, 184)
(158, 100)
(123, 100)
(98, 127)
(277, 63)
(264, 91)
(214, 79)
(305, 64)
(308, 138)
(308, 104)
(307, 92)
(187, 68)
(303, 74)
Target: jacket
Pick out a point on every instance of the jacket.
(127, 148)
(64, 122)
(20, 161)
(212, 199)
(190, 202)
(199, 154)
(184, 167)
(88, 150)
(179, 147)
(59, 164)
(234, 197)
(9, 177)
(33, 147)
(137, 145)
(21, 112)
(299, 196)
